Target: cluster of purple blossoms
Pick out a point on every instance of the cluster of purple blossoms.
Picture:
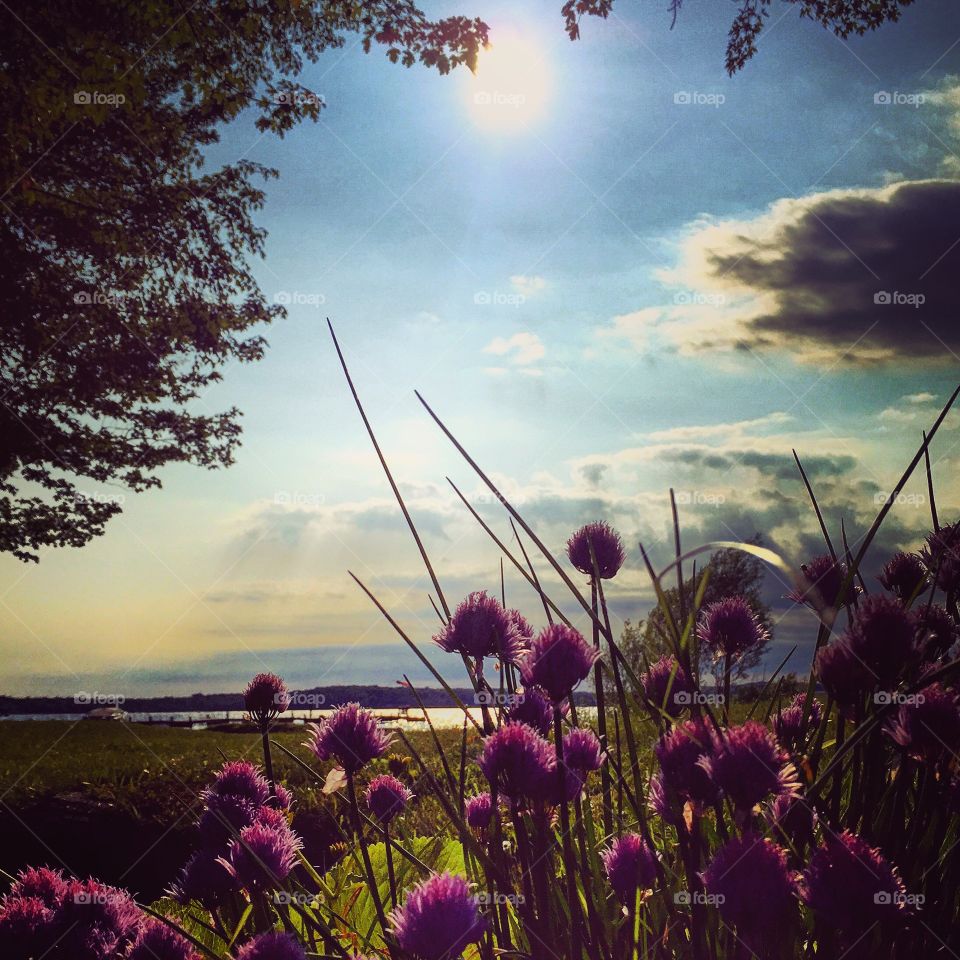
(904, 575)
(789, 725)
(666, 687)
(755, 890)
(793, 818)
(749, 766)
(607, 548)
(928, 725)
(351, 736)
(478, 811)
(731, 628)
(237, 803)
(823, 579)
(683, 776)
(533, 708)
(558, 660)
(883, 636)
(263, 855)
(843, 674)
(851, 886)
(630, 866)
(438, 920)
(518, 762)
(387, 797)
(266, 697)
(272, 946)
(941, 554)
(480, 627)
(936, 631)
(582, 751)
(47, 915)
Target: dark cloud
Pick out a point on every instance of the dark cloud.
(781, 466)
(845, 270)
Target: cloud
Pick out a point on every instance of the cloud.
(520, 350)
(780, 466)
(528, 286)
(856, 277)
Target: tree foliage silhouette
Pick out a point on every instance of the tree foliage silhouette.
(124, 263)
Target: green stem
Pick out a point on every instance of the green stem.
(358, 832)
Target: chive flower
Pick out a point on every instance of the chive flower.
(266, 697)
(387, 797)
(517, 761)
(272, 946)
(480, 627)
(630, 865)
(351, 736)
(731, 628)
(557, 661)
(607, 548)
(657, 680)
(905, 575)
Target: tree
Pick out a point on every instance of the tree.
(844, 17)
(732, 572)
(124, 272)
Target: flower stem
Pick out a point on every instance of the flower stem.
(358, 832)
(569, 866)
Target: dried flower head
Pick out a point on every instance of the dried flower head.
(438, 920)
(350, 735)
(607, 548)
(558, 660)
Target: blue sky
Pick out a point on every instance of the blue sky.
(660, 276)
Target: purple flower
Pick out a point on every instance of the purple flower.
(438, 920)
(263, 856)
(788, 723)
(883, 635)
(272, 946)
(941, 554)
(851, 886)
(517, 761)
(928, 725)
(350, 735)
(159, 941)
(749, 766)
(823, 579)
(558, 659)
(843, 674)
(26, 927)
(478, 811)
(937, 631)
(905, 575)
(581, 751)
(266, 696)
(607, 548)
(97, 921)
(204, 879)
(387, 797)
(656, 682)
(730, 628)
(679, 754)
(480, 627)
(241, 779)
(224, 818)
(754, 889)
(522, 627)
(664, 802)
(792, 817)
(630, 865)
(534, 709)
(46, 885)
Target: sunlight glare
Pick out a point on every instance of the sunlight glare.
(509, 90)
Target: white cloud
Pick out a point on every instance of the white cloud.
(521, 350)
(528, 286)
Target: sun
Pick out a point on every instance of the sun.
(508, 92)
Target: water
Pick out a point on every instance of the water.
(440, 717)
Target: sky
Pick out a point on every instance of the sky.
(611, 269)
